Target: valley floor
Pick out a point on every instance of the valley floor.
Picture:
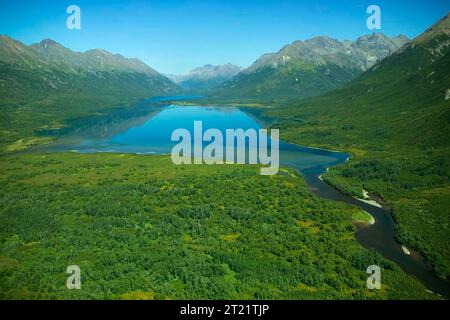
(141, 228)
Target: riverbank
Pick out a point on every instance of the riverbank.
(363, 218)
(368, 200)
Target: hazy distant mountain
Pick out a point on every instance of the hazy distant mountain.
(310, 67)
(206, 77)
(48, 68)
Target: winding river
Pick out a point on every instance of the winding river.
(146, 129)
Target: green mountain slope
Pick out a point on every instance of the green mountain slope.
(395, 119)
(309, 68)
(45, 84)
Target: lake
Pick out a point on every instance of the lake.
(147, 127)
(150, 133)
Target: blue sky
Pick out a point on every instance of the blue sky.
(174, 36)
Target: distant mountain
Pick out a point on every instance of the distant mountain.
(311, 67)
(204, 78)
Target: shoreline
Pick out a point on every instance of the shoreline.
(371, 222)
(319, 148)
(370, 202)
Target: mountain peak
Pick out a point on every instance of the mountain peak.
(378, 35)
(311, 67)
(49, 43)
(372, 37)
(321, 39)
(99, 52)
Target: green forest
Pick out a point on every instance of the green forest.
(140, 227)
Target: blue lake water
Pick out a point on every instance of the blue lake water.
(152, 135)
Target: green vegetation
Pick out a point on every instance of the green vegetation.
(295, 80)
(395, 120)
(141, 228)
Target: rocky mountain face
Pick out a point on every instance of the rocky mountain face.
(310, 67)
(204, 78)
(48, 68)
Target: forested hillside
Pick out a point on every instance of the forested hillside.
(395, 119)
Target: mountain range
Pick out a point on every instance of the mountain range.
(311, 67)
(48, 68)
(301, 69)
(205, 78)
